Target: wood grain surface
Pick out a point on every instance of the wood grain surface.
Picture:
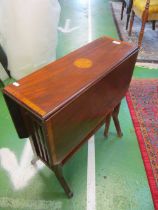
(50, 88)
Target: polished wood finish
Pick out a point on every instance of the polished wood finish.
(63, 104)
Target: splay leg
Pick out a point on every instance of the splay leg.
(114, 115)
(59, 174)
(131, 23)
(107, 124)
(116, 120)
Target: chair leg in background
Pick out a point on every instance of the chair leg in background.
(122, 10)
(141, 34)
(131, 23)
(144, 20)
(153, 24)
(127, 22)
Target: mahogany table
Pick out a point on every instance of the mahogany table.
(63, 104)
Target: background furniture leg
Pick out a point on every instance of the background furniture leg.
(153, 24)
(128, 17)
(129, 8)
(122, 10)
(59, 174)
(141, 34)
(144, 20)
(131, 23)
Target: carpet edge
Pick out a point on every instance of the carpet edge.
(144, 155)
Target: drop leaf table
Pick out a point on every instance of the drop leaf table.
(61, 106)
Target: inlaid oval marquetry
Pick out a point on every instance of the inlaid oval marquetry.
(83, 63)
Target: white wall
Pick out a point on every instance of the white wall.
(28, 34)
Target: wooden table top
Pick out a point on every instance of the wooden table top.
(50, 88)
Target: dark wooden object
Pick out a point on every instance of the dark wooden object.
(126, 4)
(62, 105)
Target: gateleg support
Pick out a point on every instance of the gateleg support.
(116, 120)
(107, 124)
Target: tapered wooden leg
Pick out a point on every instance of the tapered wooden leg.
(107, 124)
(131, 23)
(122, 10)
(144, 20)
(116, 120)
(59, 174)
(141, 34)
